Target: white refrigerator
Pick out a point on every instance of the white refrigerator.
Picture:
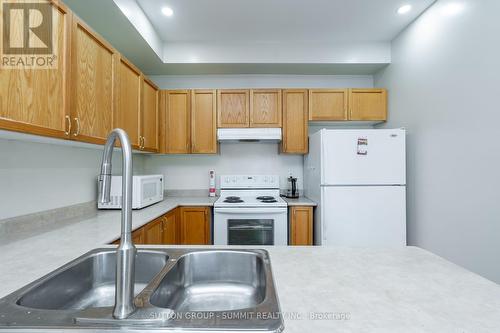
(358, 178)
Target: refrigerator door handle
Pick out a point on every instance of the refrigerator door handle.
(323, 222)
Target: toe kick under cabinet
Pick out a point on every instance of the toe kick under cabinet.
(180, 226)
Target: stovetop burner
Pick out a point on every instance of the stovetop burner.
(269, 200)
(233, 199)
(265, 198)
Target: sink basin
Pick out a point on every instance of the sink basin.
(213, 281)
(171, 285)
(90, 282)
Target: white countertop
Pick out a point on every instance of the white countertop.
(358, 290)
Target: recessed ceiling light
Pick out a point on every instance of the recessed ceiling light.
(404, 9)
(167, 11)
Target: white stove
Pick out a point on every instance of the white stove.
(250, 211)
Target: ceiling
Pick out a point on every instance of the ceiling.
(251, 36)
(325, 21)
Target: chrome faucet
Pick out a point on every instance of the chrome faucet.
(125, 254)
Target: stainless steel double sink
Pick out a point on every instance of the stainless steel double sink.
(176, 289)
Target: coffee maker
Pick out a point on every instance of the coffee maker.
(292, 191)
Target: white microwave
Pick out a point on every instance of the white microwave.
(146, 190)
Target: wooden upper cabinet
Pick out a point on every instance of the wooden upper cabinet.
(34, 100)
(177, 113)
(203, 122)
(93, 75)
(265, 108)
(301, 225)
(171, 225)
(128, 101)
(328, 104)
(149, 125)
(195, 225)
(233, 108)
(295, 121)
(153, 232)
(368, 104)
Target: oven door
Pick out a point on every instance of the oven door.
(250, 226)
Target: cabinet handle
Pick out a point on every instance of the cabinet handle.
(143, 143)
(140, 142)
(77, 127)
(68, 126)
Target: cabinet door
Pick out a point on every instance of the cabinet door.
(93, 66)
(203, 122)
(195, 225)
(367, 104)
(301, 226)
(138, 236)
(153, 232)
(295, 117)
(233, 108)
(328, 104)
(36, 100)
(177, 119)
(149, 124)
(171, 228)
(265, 108)
(128, 101)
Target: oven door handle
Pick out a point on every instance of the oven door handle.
(251, 227)
(251, 210)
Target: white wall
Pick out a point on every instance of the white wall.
(444, 85)
(35, 177)
(262, 81)
(191, 171)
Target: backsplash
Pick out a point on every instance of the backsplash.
(188, 172)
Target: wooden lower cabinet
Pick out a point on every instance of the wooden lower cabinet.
(300, 226)
(153, 231)
(184, 225)
(170, 235)
(195, 225)
(138, 236)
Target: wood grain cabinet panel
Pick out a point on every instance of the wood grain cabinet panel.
(368, 104)
(93, 80)
(265, 108)
(128, 101)
(171, 224)
(328, 104)
(34, 100)
(149, 125)
(153, 232)
(177, 131)
(233, 108)
(195, 225)
(203, 122)
(138, 236)
(295, 121)
(301, 225)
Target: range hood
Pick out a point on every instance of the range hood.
(249, 134)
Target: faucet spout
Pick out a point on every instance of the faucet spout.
(125, 254)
